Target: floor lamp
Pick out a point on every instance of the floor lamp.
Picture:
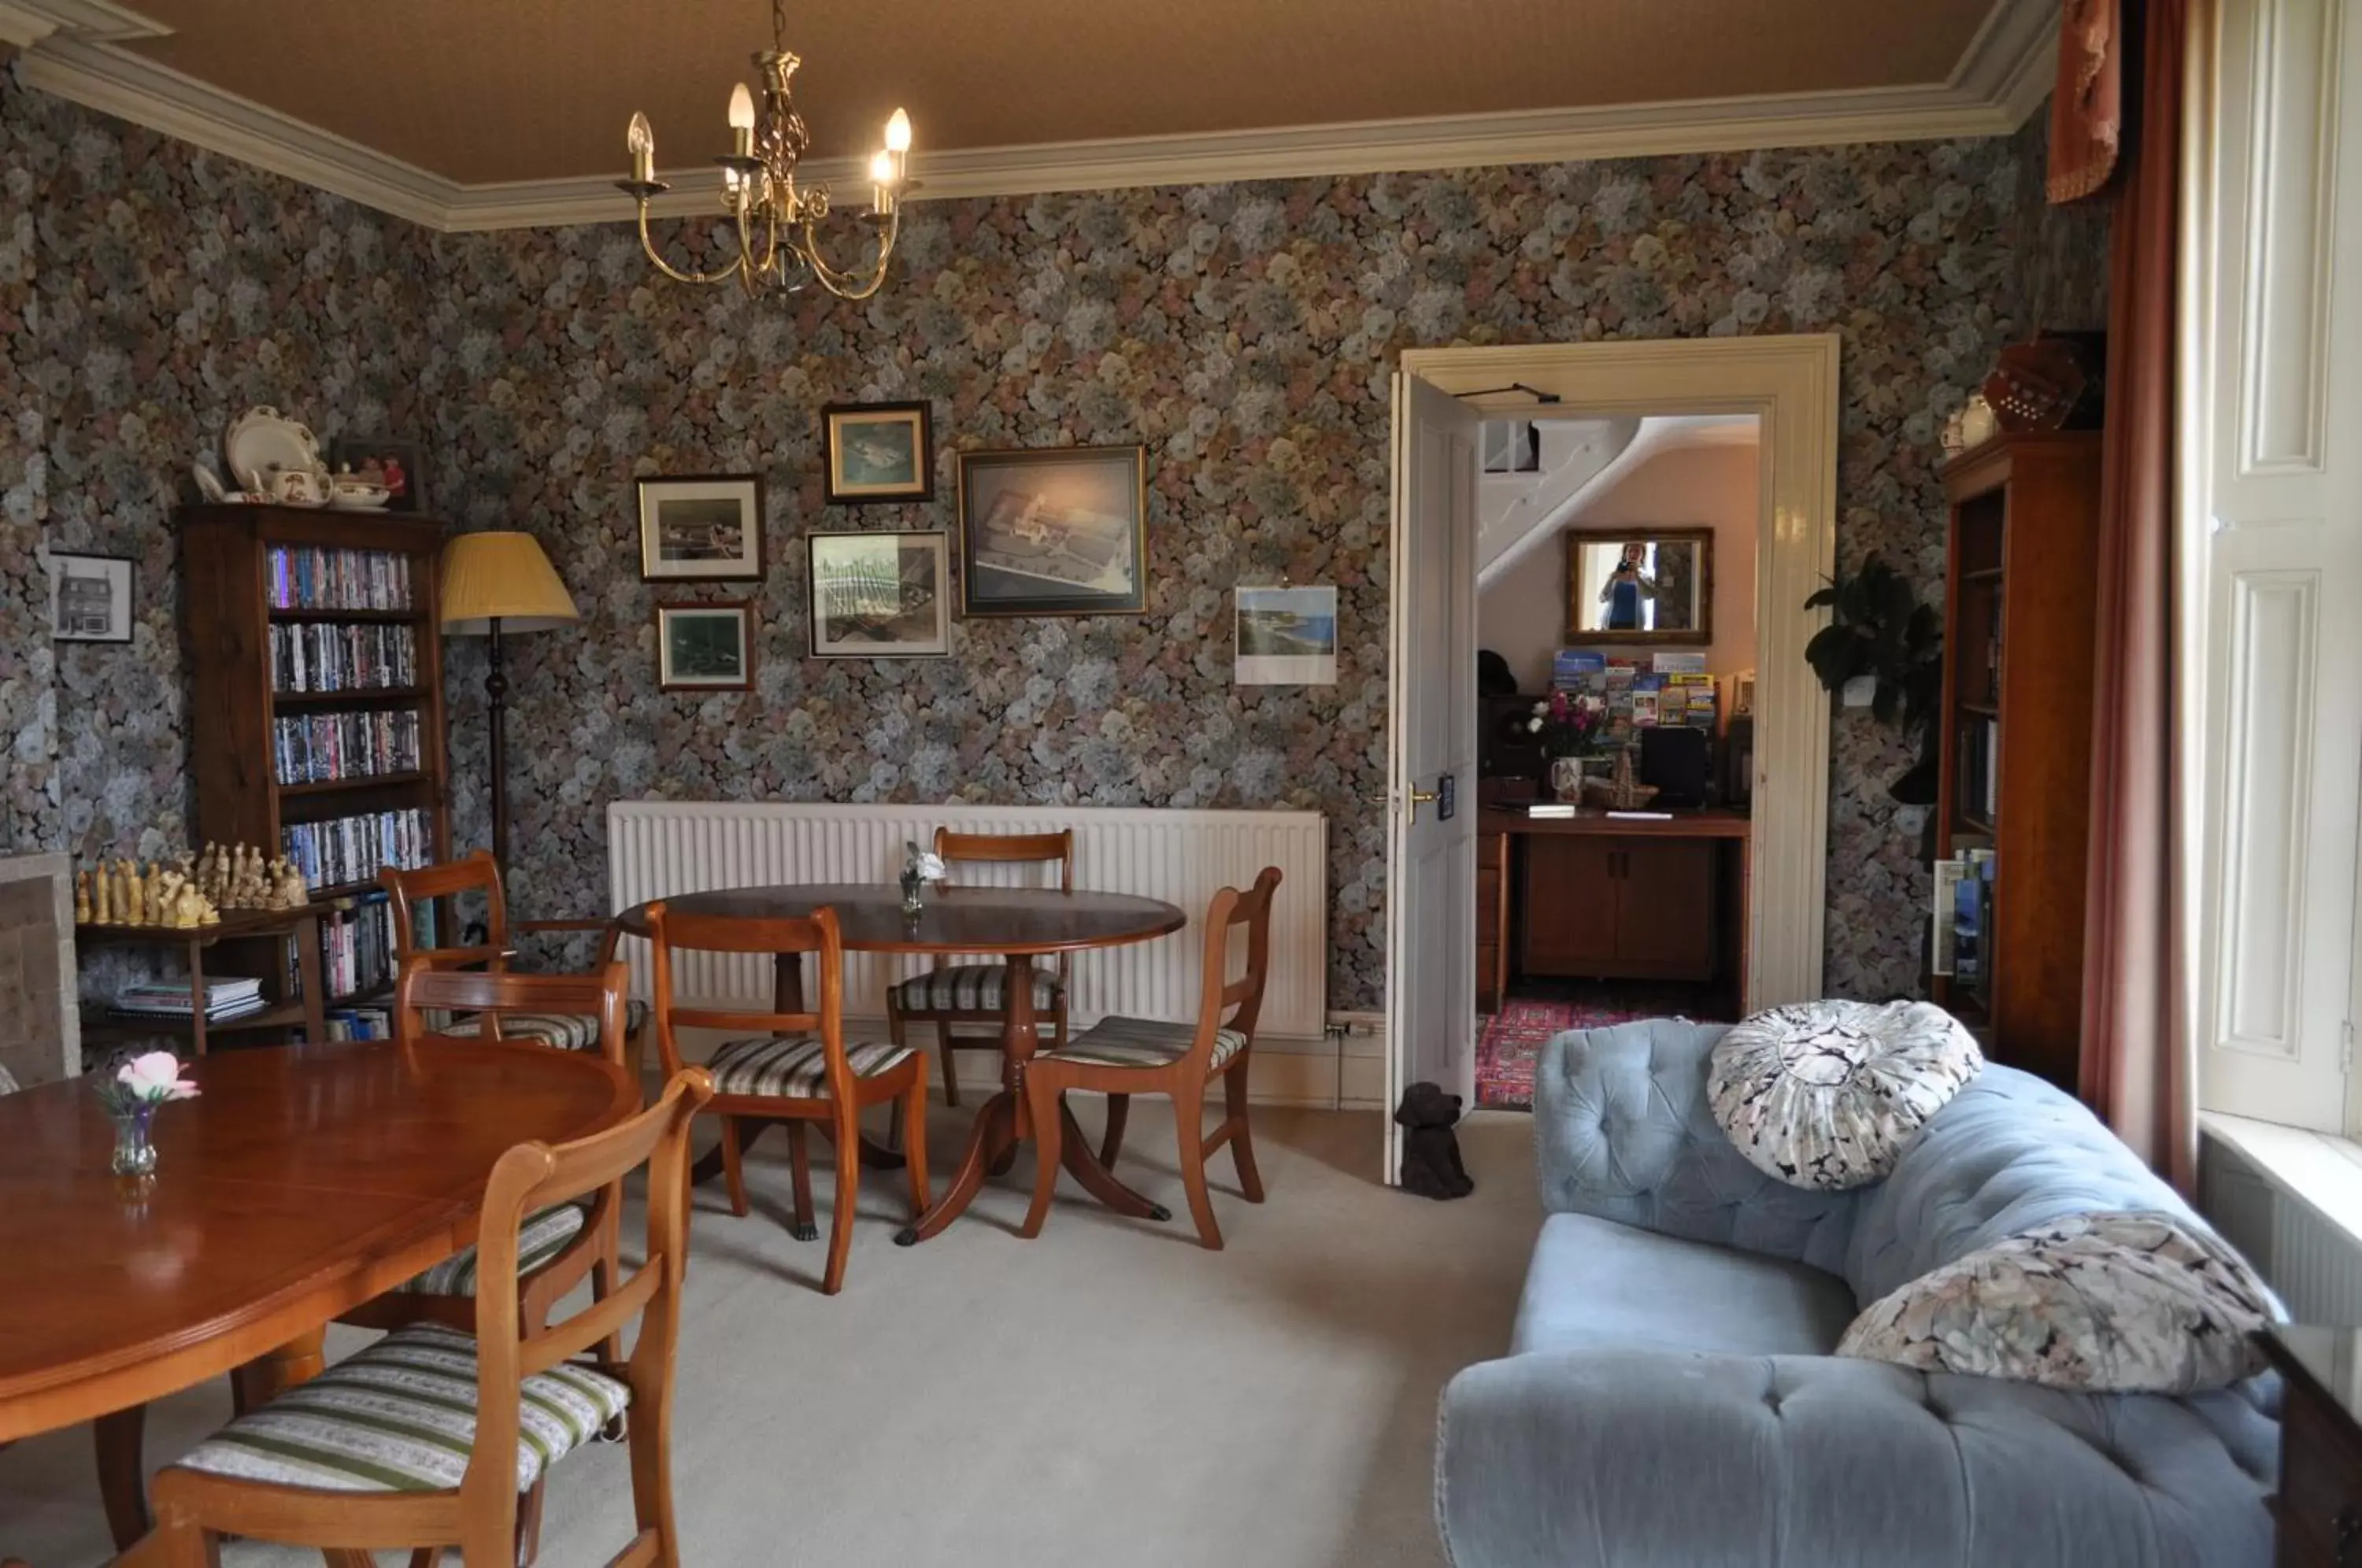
(492, 583)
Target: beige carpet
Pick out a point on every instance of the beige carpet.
(1109, 1393)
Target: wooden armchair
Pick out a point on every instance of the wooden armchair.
(421, 1439)
(1120, 1057)
(795, 1069)
(954, 993)
(479, 873)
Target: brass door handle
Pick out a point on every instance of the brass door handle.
(1419, 798)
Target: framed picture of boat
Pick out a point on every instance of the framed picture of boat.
(879, 452)
(881, 595)
(1056, 530)
(708, 528)
(1287, 636)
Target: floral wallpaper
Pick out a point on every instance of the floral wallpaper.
(149, 291)
(1243, 333)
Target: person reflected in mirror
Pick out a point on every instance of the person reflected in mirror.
(1626, 587)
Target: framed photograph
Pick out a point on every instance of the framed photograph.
(89, 598)
(881, 596)
(1287, 636)
(400, 465)
(707, 647)
(704, 529)
(879, 451)
(1060, 531)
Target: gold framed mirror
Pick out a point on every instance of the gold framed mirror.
(1639, 587)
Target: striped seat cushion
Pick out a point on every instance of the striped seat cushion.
(401, 1417)
(564, 1031)
(969, 987)
(539, 1239)
(1143, 1043)
(788, 1067)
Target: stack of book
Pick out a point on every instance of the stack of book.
(224, 999)
(1674, 689)
(1963, 918)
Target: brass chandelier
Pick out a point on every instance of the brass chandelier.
(776, 222)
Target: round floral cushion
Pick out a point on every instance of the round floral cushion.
(1828, 1094)
(2119, 1303)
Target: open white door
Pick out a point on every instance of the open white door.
(1431, 764)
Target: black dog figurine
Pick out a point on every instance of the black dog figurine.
(1430, 1161)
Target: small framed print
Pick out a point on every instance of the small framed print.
(881, 596)
(89, 598)
(879, 452)
(706, 646)
(1287, 636)
(707, 528)
(1056, 531)
(400, 465)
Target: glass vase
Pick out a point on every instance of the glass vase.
(135, 1143)
(914, 887)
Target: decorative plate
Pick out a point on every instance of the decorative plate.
(260, 441)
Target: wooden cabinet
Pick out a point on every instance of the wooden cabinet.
(1492, 920)
(2319, 1508)
(1599, 906)
(2021, 606)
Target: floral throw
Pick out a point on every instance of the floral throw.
(1827, 1095)
(2125, 1303)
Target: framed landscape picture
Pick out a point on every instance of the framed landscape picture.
(1287, 636)
(1061, 531)
(706, 647)
(879, 451)
(89, 598)
(881, 595)
(702, 529)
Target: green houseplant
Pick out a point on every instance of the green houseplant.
(1879, 629)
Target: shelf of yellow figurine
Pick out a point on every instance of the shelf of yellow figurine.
(305, 1010)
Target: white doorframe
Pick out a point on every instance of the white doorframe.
(1791, 384)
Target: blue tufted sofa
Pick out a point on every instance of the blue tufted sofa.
(1669, 1398)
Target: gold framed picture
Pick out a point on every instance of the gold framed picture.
(879, 452)
(706, 528)
(706, 646)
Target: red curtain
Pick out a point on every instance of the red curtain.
(2087, 110)
(2135, 1064)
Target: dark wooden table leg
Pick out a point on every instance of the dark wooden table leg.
(1021, 1036)
(122, 1484)
(1075, 1154)
(995, 1130)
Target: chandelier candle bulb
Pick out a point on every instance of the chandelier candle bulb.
(642, 139)
(897, 135)
(882, 176)
(742, 121)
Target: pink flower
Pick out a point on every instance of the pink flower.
(155, 1078)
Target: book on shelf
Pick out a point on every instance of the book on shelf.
(1679, 664)
(1967, 932)
(312, 577)
(1945, 914)
(1572, 668)
(1977, 789)
(324, 655)
(357, 946)
(1549, 810)
(359, 1023)
(233, 997)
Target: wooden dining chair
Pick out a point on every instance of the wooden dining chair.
(969, 993)
(796, 1068)
(1120, 1057)
(479, 874)
(424, 1439)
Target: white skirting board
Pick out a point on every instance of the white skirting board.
(665, 848)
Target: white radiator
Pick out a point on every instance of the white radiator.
(658, 849)
(2314, 1264)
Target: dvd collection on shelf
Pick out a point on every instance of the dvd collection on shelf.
(320, 655)
(1977, 791)
(311, 578)
(350, 849)
(1962, 914)
(321, 748)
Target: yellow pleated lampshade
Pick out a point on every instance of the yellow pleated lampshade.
(504, 576)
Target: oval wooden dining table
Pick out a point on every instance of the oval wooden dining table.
(1019, 923)
(302, 1182)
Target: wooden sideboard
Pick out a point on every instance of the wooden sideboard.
(1601, 897)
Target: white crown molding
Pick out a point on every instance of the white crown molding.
(71, 51)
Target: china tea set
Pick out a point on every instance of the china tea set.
(276, 460)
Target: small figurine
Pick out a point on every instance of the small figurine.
(135, 901)
(81, 898)
(205, 868)
(164, 907)
(290, 890)
(154, 893)
(103, 911)
(189, 909)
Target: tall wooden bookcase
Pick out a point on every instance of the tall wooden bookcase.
(2021, 616)
(227, 566)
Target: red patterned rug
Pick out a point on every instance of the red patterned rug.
(1513, 1037)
